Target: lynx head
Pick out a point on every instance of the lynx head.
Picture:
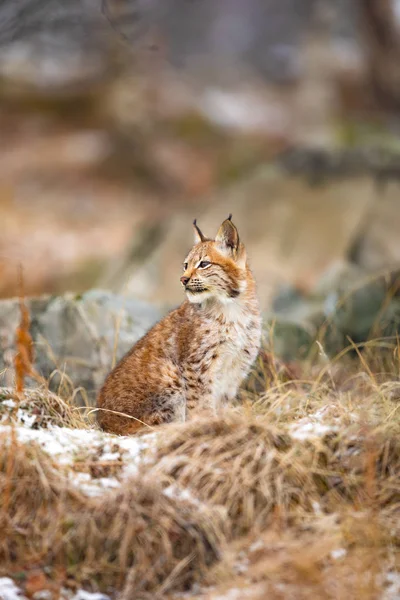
(215, 268)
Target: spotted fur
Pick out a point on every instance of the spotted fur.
(200, 352)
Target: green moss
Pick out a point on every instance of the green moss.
(356, 133)
(193, 127)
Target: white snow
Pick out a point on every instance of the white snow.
(8, 403)
(78, 447)
(93, 487)
(9, 591)
(253, 591)
(182, 494)
(64, 444)
(305, 429)
(25, 418)
(83, 595)
(22, 416)
(312, 425)
(257, 545)
(317, 508)
(392, 591)
(233, 594)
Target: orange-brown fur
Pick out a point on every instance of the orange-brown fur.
(200, 352)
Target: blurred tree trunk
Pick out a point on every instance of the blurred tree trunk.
(381, 34)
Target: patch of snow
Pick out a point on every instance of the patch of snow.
(233, 594)
(110, 456)
(392, 591)
(25, 418)
(134, 447)
(72, 447)
(258, 545)
(242, 564)
(312, 425)
(10, 403)
(93, 486)
(83, 595)
(306, 429)
(9, 591)
(240, 593)
(338, 553)
(174, 491)
(65, 444)
(42, 595)
(317, 508)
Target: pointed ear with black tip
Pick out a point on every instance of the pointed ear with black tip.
(229, 243)
(227, 237)
(198, 235)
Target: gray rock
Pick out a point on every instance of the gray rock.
(346, 303)
(77, 338)
(290, 304)
(339, 275)
(378, 244)
(390, 321)
(289, 340)
(357, 309)
(287, 299)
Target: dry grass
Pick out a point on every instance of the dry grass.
(136, 537)
(293, 493)
(48, 408)
(295, 564)
(261, 475)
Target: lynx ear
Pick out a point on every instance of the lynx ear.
(228, 237)
(198, 236)
(229, 243)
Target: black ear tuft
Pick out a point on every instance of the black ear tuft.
(198, 235)
(230, 217)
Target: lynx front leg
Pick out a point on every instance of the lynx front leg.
(199, 397)
(171, 410)
(180, 410)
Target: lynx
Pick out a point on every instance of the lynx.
(200, 352)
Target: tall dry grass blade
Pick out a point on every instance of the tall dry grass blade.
(24, 345)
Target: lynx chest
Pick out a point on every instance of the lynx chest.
(239, 342)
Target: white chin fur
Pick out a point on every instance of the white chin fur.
(198, 298)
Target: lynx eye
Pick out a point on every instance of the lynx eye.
(204, 264)
(185, 266)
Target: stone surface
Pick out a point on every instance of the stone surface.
(346, 303)
(378, 245)
(79, 336)
(289, 340)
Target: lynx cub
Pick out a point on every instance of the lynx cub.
(200, 352)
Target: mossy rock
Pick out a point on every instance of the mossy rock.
(358, 311)
(289, 340)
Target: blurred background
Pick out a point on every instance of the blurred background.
(122, 120)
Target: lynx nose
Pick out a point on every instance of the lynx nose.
(184, 280)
